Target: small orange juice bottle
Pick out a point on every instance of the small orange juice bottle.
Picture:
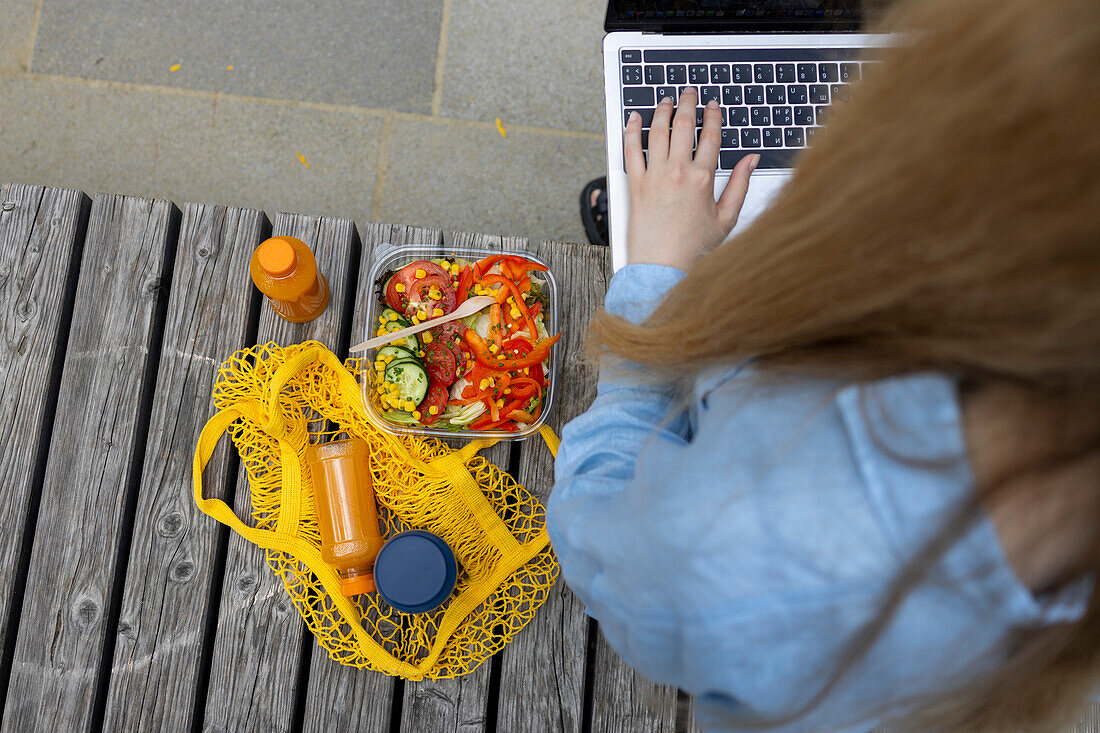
(285, 270)
(346, 512)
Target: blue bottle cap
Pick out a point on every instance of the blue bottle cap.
(415, 571)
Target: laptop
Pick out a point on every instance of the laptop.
(775, 67)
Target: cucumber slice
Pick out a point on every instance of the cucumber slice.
(402, 418)
(409, 342)
(410, 378)
(399, 353)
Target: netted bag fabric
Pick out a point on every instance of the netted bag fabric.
(274, 401)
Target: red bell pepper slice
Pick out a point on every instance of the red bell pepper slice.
(500, 362)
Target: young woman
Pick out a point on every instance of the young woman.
(845, 468)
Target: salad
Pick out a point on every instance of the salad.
(489, 371)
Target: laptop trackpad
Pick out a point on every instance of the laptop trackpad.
(763, 187)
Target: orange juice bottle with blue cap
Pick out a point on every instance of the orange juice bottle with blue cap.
(285, 270)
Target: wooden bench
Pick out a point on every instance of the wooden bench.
(126, 609)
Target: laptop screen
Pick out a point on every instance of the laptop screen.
(741, 16)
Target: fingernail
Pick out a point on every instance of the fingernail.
(712, 104)
(633, 116)
(755, 160)
(666, 99)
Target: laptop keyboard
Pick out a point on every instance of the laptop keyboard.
(773, 101)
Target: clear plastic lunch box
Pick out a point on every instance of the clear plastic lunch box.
(393, 257)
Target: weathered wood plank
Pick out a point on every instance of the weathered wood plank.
(168, 591)
(340, 697)
(258, 650)
(625, 701)
(542, 678)
(93, 466)
(458, 704)
(41, 233)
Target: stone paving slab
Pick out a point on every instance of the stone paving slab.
(371, 54)
(461, 176)
(526, 61)
(187, 146)
(16, 33)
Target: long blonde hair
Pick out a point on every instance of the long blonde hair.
(948, 218)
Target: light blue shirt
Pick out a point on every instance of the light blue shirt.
(736, 544)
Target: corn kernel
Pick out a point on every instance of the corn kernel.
(415, 320)
(422, 315)
(437, 312)
(410, 405)
(380, 332)
(400, 287)
(526, 370)
(493, 348)
(416, 414)
(382, 319)
(484, 384)
(420, 273)
(433, 410)
(507, 390)
(426, 337)
(381, 390)
(500, 403)
(393, 316)
(514, 313)
(455, 269)
(445, 265)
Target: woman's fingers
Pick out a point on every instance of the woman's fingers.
(733, 197)
(683, 126)
(658, 132)
(632, 146)
(710, 139)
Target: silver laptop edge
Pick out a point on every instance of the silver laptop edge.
(765, 182)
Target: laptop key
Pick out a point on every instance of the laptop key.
(742, 73)
(782, 116)
(720, 74)
(638, 97)
(698, 116)
(773, 137)
(763, 73)
(849, 72)
(630, 56)
(731, 96)
(803, 115)
(761, 116)
(810, 132)
(750, 138)
(822, 114)
(632, 75)
(730, 138)
(677, 74)
(754, 94)
(829, 72)
(841, 92)
(669, 92)
(698, 74)
(793, 138)
(807, 73)
(775, 94)
(738, 116)
(819, 93)
(708, 93)
(769, 157)
(654, 75)
(647, 116)
(784, 73)
(796, 94)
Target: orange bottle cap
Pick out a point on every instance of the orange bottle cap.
(357, 584)
(277, 257)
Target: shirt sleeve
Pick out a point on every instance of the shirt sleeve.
(598, 449)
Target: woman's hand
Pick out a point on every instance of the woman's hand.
(674, 219)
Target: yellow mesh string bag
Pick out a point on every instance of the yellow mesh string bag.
(274, 401)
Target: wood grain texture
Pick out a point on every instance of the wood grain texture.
(258, 649)
(461, 703)
(168, 584)
(41, 233)
(624, 701)
(342, 698)
(1090, 722)
(542, 679)
(92, 466)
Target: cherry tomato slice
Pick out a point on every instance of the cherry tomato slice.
(420, 299)
(439, 362)
(406, 276)
(437, 396)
